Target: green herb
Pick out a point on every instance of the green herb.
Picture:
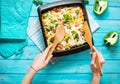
(53, 21)
(77, 12)
(52, 39)
(67, 38)
(68, 26)
(67, 47)
(45, 15)
(66, 18)
(76, 36)
(86, 1)
(56, 25)
(73, 32)
(38, 2)
(49, 28)
(111, 38)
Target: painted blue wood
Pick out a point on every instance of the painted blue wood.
(62, 66)
(74, 68)
(108, 25)
(113, 53)
(98, 39)
(111, 13)
(59, 79)
(111, 3)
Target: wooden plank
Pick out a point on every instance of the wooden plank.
(110, 3)
(30, 52)
(79, 71)
(109, 14)
(91, 2)
(63, 66)
(59, 79)
(112, 53)
(98, 39)
(108, 25)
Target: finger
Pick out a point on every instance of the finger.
(95, 50)
(94, 55)
(93, 58)
(39, 54)
(46, 51)
(102, 60)
(91, 54)
(100, 57)
(48, 59)
(93, 65)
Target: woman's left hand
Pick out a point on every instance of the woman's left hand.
(41, 60)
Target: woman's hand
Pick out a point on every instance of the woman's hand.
(94, 54)
(96, 72)
(39, 63)
(41, 60)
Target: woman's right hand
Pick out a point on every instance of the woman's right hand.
(94, 54)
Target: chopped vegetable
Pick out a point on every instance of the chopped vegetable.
(111, 38)
(57, 9)
(86, 1)
(54, 30)
(49, 28)
(38, 2)
(61, 47)
(77, 12)
(72, 18)
(53, 21)
(66, 18)
(73, 32)
(100, 6)
(52, 39)
(56, 25)
(67, 38)
(76, 36)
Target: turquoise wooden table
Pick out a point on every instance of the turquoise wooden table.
(72, 69)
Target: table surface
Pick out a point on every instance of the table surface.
(72, 69)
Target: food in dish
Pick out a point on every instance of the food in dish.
(72, 17)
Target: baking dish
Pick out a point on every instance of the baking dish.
(62, 3)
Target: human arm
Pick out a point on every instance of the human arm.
(96, 72)
(39, 63)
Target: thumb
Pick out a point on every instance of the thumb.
(48, 58)
(93, 59)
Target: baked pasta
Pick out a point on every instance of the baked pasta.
(73, 18)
